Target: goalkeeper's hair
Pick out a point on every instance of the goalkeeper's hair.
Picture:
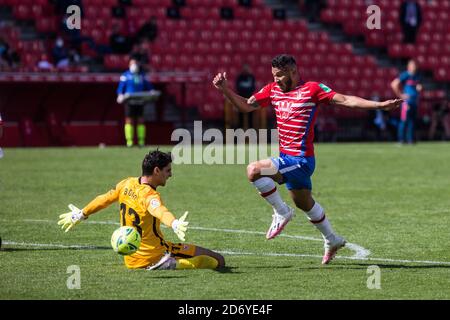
(283, 61)
(155, 159)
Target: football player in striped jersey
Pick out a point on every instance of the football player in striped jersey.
(295, 102)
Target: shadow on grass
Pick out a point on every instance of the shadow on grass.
(272, 267)
(226, 269)
(174, 273)
(168, 277)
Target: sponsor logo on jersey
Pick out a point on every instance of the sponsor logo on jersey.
(324, 88)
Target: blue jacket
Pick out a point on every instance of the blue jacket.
(130, 83)
(410, 83)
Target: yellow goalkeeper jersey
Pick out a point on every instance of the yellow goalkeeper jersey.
(141, 207)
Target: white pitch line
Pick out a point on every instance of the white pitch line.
(360, 252)
(237, 253)
(48, 245)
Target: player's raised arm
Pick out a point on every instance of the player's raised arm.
(244, 105)
(75, 216)
(159, 211)
(357, 102)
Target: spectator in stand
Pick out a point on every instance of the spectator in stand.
(410, 20)
(140, 54)
(44, 64)
(60, 53)
(14, 59)
(4, 49)
(245, 87)
(3, 53)
(148, 31)
(119, 42)
(313, 8)
(407, 87)
(440, 116)
(9, 58)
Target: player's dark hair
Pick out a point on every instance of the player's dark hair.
(283, 60)
(155, 159)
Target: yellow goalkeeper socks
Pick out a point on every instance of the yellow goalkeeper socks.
(141, 134)
(198, 262)
(129, 134)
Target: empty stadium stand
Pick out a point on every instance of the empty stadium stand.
(203, 40)
(432, 48)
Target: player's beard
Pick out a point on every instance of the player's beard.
(286, 86)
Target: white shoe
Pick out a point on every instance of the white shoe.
(167, 262)
(278, 223)
(331, 247)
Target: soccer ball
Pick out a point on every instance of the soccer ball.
(125, 240)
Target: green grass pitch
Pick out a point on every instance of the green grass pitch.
(393, 201)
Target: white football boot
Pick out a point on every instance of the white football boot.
(167, 262)
(278, 223)
(331, 247)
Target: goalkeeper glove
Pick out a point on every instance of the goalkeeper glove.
(179, 226)
(70, 219)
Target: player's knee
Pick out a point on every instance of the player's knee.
(253, 172)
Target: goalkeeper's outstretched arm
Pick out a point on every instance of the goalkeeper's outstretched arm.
(75, 216)
(244, 105)
(101, 202)
(179, 226)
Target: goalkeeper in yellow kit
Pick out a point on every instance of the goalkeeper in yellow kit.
(142, 208)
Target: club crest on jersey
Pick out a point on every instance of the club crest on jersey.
(154, 203)
(284, 108)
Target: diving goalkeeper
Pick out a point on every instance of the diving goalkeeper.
(142, 208)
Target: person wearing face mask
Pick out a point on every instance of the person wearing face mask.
(133, 81)
(59, 52)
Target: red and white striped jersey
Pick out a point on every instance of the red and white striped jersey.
(296, 113)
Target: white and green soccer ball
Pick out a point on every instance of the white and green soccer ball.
(125, 240)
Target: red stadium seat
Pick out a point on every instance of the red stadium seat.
(46, 25)
(22, 12)
(116, 62)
